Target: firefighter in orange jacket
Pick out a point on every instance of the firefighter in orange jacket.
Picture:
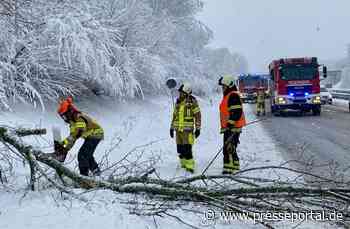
(81, 126)
(232, 121)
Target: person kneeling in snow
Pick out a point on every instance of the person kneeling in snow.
(81, 126)
(186, 118)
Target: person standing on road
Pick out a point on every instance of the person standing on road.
(260, 102)
(232, 121)
(186, 121)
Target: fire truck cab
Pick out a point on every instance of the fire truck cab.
(249, 84)
(296, 85)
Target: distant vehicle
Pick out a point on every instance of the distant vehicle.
(249, 84)
(296, 85)
(326, 97)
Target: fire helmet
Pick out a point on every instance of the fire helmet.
(185, 88)
(66, 105)
(227, 80)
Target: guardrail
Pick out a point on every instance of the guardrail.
(340, 93)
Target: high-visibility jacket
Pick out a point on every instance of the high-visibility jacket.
(85, 127)
(186, 115)
(225, 111)
(260, 98)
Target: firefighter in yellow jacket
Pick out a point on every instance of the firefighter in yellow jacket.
(260, 102)
(232, 121)
(81, 126)
(187, 124)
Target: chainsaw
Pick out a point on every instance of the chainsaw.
(60, 153)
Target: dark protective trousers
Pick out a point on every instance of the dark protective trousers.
(184, 141)
(260, 108)
(86, 158)
(231, 160)
(185, 151)
(186, 157)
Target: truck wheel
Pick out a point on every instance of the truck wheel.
(301, 113)
(276, 112)
(284, 113)
(316, 111)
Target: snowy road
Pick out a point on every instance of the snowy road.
(322, 140)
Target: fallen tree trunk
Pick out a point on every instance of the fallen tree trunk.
(248, 199)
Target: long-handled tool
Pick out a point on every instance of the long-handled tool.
(228, 140)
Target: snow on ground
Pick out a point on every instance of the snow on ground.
(341, 103)
(344, 83)
(144, 125)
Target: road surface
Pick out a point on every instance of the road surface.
(320, 144)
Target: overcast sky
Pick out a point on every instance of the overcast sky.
(265, 29)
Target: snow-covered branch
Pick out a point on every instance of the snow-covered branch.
(238, 193)
(123, 49)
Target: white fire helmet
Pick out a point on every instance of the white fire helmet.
(186, 88)
(227, 80)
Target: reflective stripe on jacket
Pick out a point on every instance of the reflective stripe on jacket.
(187, 115)
(260, 98)
(225, 113)
(84, 127)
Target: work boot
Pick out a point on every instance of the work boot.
(84, 171)
(225, 172)
(96, 172)
(189, 165)
(191, 170)
(235, 166)
(183, 163)
(231, 172)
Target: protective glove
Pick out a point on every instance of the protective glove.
(172, 133)
(230, 126)
(222, 130)
(197, 133)
(60, 151)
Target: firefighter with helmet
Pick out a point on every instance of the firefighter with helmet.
(260, 102)
(186, 122)
(81, 126)
(232, 121)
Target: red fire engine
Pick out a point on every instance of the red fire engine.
(296, 85)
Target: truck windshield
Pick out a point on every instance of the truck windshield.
(248, 82)
(298, 72)
(252, 82)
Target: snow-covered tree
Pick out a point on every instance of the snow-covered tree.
(123, 48)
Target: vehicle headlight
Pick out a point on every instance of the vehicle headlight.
(316, 99)
(281, 100)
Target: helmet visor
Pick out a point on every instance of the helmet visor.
(220, 81)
